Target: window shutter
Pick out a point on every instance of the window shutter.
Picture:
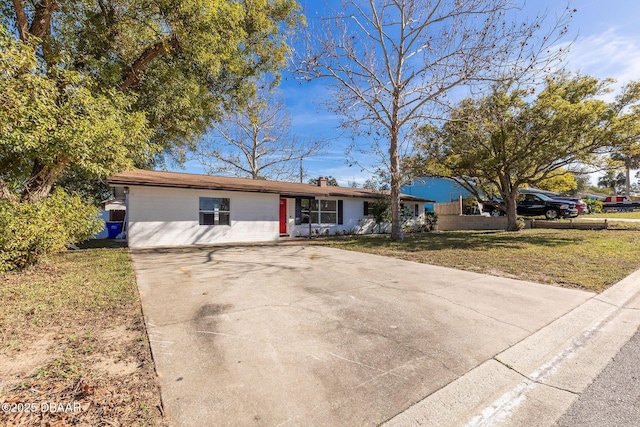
(298, 211)
(340, 221)
(366, 209)
(417, 210)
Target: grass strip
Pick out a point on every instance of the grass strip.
(587, 259)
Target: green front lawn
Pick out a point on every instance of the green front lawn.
(592, 260)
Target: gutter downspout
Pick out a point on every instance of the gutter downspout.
(125, 221)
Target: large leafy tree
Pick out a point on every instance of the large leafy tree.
(510, 138)
(100, 85)
(562, 181)
(55, 119)
(394, 63)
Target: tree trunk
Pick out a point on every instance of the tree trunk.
(255, 171)
(397, 234)
(511, 205)
(41, 180)
(628, 178)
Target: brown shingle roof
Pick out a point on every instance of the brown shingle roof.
(206, 182)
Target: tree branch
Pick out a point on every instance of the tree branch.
(132, 74)
(21, 19)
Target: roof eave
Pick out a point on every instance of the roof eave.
(114, 181)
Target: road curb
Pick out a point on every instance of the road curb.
(535, 381)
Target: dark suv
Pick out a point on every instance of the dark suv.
(534, 205)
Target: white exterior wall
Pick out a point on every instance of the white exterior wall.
(291, 217)
(170, 217)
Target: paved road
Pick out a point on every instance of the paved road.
(613, 399)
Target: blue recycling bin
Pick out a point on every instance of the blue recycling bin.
(113, 229)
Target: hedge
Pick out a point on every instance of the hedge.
(31, 231)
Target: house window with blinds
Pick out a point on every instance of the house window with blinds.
(320, 212)
(215, 211)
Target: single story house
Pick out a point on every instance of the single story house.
(174, 209)
(439, 190)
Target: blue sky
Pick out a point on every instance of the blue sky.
(607, 44)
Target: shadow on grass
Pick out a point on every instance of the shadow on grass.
(102, 244)
(458, 240)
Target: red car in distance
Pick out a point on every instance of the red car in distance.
(580, 204)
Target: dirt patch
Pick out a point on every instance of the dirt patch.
(115, 368)
(24, 361)
(109, 375)
(74, 348)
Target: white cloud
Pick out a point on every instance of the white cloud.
(606, 54)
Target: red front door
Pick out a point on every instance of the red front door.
(283, 216)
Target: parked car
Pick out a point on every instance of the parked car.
(493, 207)
(580, 204)
(534, 205)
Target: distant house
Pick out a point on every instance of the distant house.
(441, 190)
(175, 209)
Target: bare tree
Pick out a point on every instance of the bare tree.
(255, 142)
(394, 62)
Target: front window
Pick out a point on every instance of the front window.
(215, 211)
(328, 211)
(306, 206)
(406, 211)
(319, 211)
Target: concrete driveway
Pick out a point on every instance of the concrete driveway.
(281, 335)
